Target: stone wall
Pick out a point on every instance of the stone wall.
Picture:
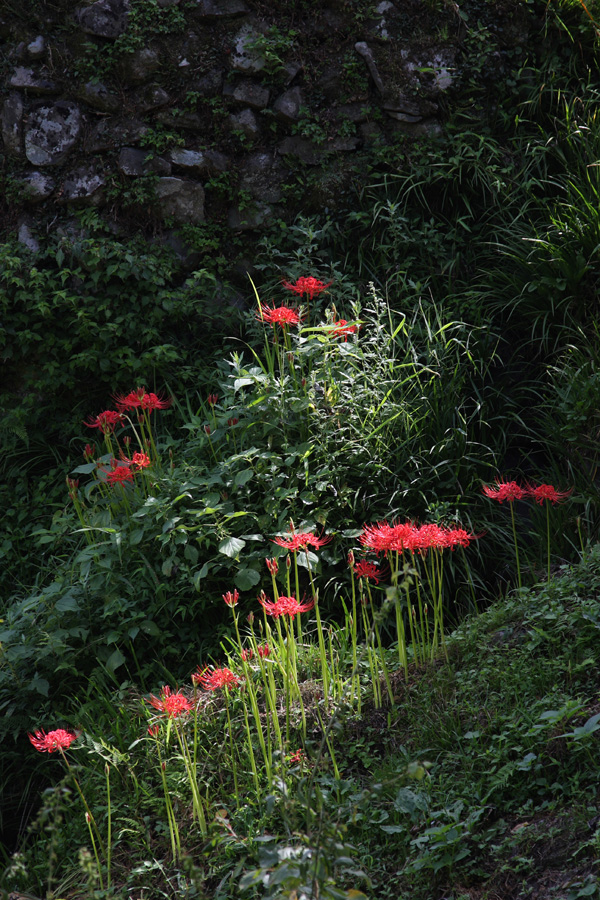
(231, 113)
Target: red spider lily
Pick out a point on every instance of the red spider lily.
(505, 490)
(247, 655)
(458, 537)
(342, 329)
(297, 757)
(285, 606)
(264, 650)
(301, 540)
(544, 492)
(231, 599)
(153, 730)
(119, 474)
(278, 315)
(383, 537)
(207, 429)
(212, 399)
(214, 679)
(365, 569)
(171, 704)
(429, 537)
(54, 740)
(140, 460)
(106, 421)
(307, 285)
(140, 399)
(89, 451)
(272, 566)
(232, 422)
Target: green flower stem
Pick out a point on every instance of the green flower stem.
(251, 750)
(411, 623)
(548, 533)
(297, 581)
(173, 829)
(88, 819)
(353, 634)
(514, 529)
(232, 748)
(424, 633)
(322, 653)
(84, 801)
(190, 769)
(369, 638)
(109, 827)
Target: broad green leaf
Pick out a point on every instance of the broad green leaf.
(41, 685)
(244, 476)
(86, 469)
(231, 547)
(246, 579)
(191, 554)
(115, 660)
(136, 536)
(68, 603)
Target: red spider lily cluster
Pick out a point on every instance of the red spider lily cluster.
(171, 704)
(142, 400)
(212, 399)
(279, 315)
(139, 399)
(140, 461)
(367, 570)
(307, 286)
(59, 739)
(385, 538)
(106, 421)
(118, 474)
(123, 470)
(285, 606)
(215, 679)
(300, 540)
(511, 491)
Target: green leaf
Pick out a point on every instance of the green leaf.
(246, 579)
(231, 547)
(115, 660)
(86, 469)
(244, 476)
(68, 603)
(41, 685)
(191, 554)
(136, 536)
